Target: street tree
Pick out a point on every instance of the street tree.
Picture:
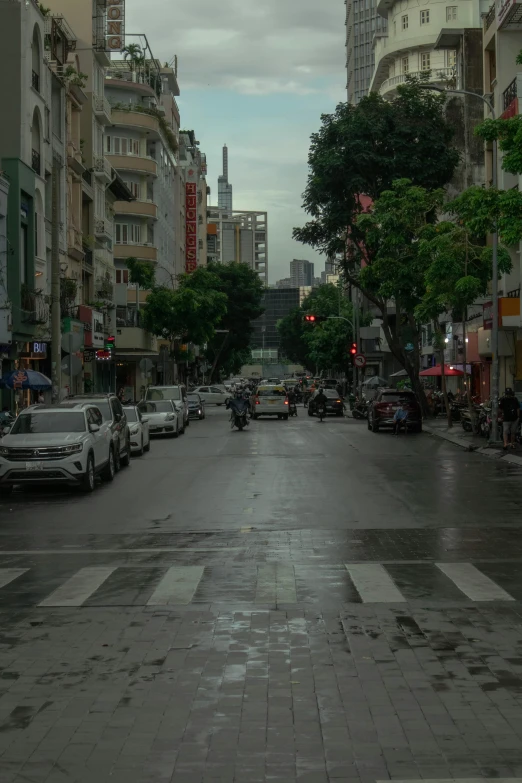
(228, 349)
(457, 271)
(355, 157)
(141, 273)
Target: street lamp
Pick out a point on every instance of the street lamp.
(494, 287)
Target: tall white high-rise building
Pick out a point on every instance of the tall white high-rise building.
(224, 186)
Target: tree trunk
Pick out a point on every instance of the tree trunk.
(411, 368)
(442, 367)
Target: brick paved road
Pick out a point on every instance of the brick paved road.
(355, 616)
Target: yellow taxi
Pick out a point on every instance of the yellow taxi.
(270, 400)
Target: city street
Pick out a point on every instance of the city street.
(302, 601)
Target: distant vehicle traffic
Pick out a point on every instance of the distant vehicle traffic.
(213, 395)
(270, 400)
(164, 417)
(334, 403)
(176, 393)
(139, 430)
(196, 405)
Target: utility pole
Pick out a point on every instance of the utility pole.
(56, 325)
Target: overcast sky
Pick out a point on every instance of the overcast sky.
(256, 75)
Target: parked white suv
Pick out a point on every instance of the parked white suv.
(65, 444)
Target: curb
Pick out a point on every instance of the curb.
(470, 447)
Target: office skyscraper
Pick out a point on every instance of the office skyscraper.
(301, 273)
(362, 23)
(224, 187)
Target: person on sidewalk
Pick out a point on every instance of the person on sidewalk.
(510, 408)
(399, 420)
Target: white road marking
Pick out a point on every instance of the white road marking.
(76, 590)
(374, 584)
(177, 586)
(10, 574)
(473, 582)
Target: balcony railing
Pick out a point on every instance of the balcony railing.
(35, 81)
(102, 106)
(489, 17)
(437, 75)
(102, 228)
(33, 306)
(36, 162)
(128, 316)
(509, 94)
(102, 167)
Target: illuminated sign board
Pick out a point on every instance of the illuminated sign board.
(115, 36)
(191, 226)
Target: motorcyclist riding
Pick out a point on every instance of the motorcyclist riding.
(320, 399)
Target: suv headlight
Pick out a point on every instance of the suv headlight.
(170, 417)
(134, 430)
(74, 448)
(4, 451)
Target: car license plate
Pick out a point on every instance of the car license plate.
(34, 466)
(272, 402)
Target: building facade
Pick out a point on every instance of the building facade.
(239, 236)
(363, 22)
(224, 186)
(301, 273)
(278, 303)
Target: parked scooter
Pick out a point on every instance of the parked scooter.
(360, 409)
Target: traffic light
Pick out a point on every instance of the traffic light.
(311, 318)
(353, 349)
(109, 343)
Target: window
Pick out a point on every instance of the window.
(451, 58)
(451, 13)
(134, 188)
(405, 64)
(424, 17)
(116, 145)
(128, 234)
(425, 61)
(122, 276)
(404, 21)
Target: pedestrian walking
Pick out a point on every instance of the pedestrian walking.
(510, 408)
(399, 419)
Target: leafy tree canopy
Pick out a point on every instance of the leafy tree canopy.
(141, 273)
(183, 313)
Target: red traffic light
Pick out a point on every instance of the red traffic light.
(353, 349)
(310, 318)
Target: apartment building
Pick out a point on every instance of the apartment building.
(193, 168)
(239, 236)
(32, 152)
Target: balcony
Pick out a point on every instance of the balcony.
(132, 338)
(35, 81)
(104, 259)
(438, 76)
(36, 162)
(102, 228)
(101, 168)
(102, 109)
(104, 288)
(145, 209)
(75, 243)
(144, 79)
(144, 252)
(75, 159)
(510, 98)
(140, 164)
(137, 120)
(87, 189)
(34, 309)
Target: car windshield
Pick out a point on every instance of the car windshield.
(33, 423)
(331, 393)
(156, 407)
(193, 397)
(271, 392)
(131, 414)
(168, 393)
(398, 398)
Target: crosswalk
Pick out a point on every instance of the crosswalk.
(263, 585)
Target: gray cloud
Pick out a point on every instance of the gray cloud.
(278, 46)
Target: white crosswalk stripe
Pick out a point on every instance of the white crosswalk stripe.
(10, 574)
(473, 582)
(76, 590)
(374, 584)
(178, 586)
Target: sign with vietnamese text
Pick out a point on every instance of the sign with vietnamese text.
(115, 36)
(191, 225)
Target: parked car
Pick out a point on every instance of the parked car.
(334, 403)
(382, 409)
(212, 394)
(57, 444)
(164, 417)
(113, 413)
(139, 430)
(178, 395)
(270, 401)
(196, 405)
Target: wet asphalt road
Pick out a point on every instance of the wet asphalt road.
(299, 602)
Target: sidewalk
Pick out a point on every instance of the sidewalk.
(470, 442)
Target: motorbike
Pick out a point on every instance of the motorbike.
(321, 411)
(292, 409)
(238, 415)
(360, 409)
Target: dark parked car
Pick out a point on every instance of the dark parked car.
(382, 409)
(196, 406)
(334, 403)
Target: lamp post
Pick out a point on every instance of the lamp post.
(493, 437)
